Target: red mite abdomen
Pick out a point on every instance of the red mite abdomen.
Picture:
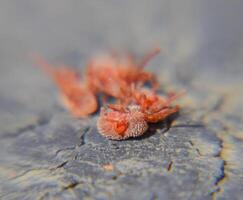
(135, 119)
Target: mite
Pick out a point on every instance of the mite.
(120, 77)
(118, 122)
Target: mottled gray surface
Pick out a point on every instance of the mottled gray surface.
(47, 154)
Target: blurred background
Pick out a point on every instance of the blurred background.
(194, 34)
(201, 40)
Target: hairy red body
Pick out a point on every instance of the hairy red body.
(119, 124)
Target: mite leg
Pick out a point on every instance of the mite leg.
(161, 115)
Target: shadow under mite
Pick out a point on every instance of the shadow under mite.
(164, 125)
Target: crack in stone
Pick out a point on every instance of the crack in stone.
(193, 145)
(38, 169)
(28, 171)
(188, 126)
(61, 165)
(40, 122)
(64, 149)
(170, 166)
(82, 137)
(71, 185)
(223, 176)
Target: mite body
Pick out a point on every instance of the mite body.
(121, 123)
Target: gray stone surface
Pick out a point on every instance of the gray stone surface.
(47, 154)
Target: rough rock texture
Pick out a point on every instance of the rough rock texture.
(47, 154)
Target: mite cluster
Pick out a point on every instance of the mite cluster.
(122, 78)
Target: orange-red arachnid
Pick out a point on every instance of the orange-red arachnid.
(75, 95)
(124, 79)
(120, 122)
